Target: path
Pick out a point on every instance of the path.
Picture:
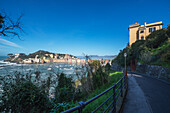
(146, 95)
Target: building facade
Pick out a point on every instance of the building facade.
(139, 32)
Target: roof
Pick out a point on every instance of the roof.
(146, 25)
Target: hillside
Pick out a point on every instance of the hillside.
(155, 50)
(40, 53)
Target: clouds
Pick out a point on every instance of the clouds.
(6, 42)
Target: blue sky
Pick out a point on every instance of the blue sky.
(93, 27)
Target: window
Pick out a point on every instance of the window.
(154, 29)
(150, 29)
(142, 37)
(142, 31)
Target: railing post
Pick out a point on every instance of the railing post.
(121, 88)
(125, 82)
(114, 99)
(81, 103)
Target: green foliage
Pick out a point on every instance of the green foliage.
(168, 31)
(10, 54)
(99, 78)
(156, 38)
(23, 56)
(136, 48)
(100, 74)
(95, 64)
(64, 90)
(107, 67)
(39, 53)
(166, 57)
(146, 56)
(150, 51)
(23, 96)
(114, 77)
(62, 107)
(120, 59)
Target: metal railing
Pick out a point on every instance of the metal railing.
(117, 93)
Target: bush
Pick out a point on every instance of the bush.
(24, 97)
(166, 57)
(120, 59)
(145, 56)
(168, 30)
(64, 92)
(137, 47)
(156, 38)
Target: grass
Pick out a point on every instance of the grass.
(114, 77)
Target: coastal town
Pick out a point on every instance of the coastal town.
(41, 57)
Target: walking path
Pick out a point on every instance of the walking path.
(135, 101)
(146, 95)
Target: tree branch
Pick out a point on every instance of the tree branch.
(10, 28)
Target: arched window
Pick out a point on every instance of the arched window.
(142, 37)
(142, 31)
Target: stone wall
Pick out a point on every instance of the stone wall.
(150, 70)
(154, 71)
(117, 67)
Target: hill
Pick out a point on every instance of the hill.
(40, 53)
(155, 50)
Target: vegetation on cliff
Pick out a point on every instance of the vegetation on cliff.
(155, 50)
(27, 93)
(40, 54)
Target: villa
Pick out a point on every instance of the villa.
(139, 32)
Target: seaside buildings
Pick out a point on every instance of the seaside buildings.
(139, 32)
(37, 58)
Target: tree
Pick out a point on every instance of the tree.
(8, 27)
(10, 54)
(65, 90)
(22, 96)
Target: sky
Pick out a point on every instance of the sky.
(92, 27)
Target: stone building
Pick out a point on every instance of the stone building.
(139, 32)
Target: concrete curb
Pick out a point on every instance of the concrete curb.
(122, 106)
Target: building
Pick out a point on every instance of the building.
(17, 55)
(139, 32)
(28, 61)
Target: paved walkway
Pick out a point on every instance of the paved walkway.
(147, 95)
(135, 101)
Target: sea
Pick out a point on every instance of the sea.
(68, 69)
(7, 68)
(73, 71)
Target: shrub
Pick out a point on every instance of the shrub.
(166, 57)
(24, 97)
(64, 92)
(168, 30)
(145, 56)
(156, 38)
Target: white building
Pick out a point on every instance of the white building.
(16, 55)
(28, 61)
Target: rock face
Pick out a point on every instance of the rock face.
(155, 71)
